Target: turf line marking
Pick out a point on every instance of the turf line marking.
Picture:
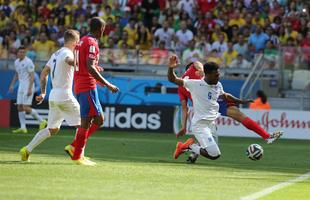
(276, 187)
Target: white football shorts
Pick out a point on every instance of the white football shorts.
(68, 110)
(205, 133)
(23, 98)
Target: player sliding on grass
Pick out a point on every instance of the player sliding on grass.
(62, 103)
(205, 93)
(86, 76)
(195, 71)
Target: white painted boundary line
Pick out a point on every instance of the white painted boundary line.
(276, 187)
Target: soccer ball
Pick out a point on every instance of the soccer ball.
(255, 152)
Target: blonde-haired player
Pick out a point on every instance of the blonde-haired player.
(62, 103)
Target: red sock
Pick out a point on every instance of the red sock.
(92, 129)
(80, 141)
(250, 124)
(74, 141)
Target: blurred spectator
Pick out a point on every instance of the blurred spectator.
(305, 48)
(258, 39)
(150, 8)
(229, 55)
(270, 55)
(4, 20)
(241, 47)
(183, 36)
(240, 62)
(144, 38)
(191, 54)
(272, 37)
(260, 103)
(220, 45)
(250, 53)
(164, 34)
(214, 57)
(130, 43)
(131, 29)
(44, 47)
(188, 6)
(159, 55)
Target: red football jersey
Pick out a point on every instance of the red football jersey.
(87, 48)
(190, 73)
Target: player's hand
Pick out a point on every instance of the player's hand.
(181, 132)
(100, 69)
(40, 98)
(113, 88)
(173, 61)
(11, 89)
(29, 93)
(247, 101)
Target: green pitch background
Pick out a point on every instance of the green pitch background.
(133, 166)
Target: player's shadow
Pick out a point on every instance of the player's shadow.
(15, 162)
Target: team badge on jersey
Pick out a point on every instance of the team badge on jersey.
(92, 49)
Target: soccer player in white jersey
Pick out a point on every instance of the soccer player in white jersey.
(62, 103)
(25, 75)
(205, 93)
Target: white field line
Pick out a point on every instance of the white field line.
(276, 187)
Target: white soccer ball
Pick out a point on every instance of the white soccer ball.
(255, 152)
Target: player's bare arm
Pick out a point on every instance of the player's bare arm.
(31, 82)
(43, 81)
(11, 88)
(92, 68)
(173, 63)
(230, 97)
(199, 67)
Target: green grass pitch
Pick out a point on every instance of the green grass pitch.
(134, 166)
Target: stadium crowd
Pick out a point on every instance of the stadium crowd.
(228, 32)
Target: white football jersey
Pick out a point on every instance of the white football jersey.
(23, 68)
(204, 99)
(61, 74)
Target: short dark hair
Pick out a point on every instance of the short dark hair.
(210, 67)
(96, 23)
(21, 48)
(70, 34)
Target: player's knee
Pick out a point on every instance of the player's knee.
(99, 120)
(210, 154)
(53, 131)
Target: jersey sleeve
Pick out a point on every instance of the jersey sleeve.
(30, 66)
(92, 49)
(182, 95)
(50, 61)
(67, 54)
(221, 90)
(188, 84)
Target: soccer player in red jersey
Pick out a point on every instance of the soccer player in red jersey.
(195, 71)
(86, 77)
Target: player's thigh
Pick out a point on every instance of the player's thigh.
(55, 117)
(89, 104)
(71, 112)
(203, 134)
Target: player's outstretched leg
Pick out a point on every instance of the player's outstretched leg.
(274, 136)
(37, 139)
(182, 147)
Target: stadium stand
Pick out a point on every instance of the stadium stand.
(141, 34)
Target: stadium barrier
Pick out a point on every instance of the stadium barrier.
(5, 113)
(295, 124)
(138, 118)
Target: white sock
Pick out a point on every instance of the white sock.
(35, 114)
(38, 139)
(195, 148)
(22, 119)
